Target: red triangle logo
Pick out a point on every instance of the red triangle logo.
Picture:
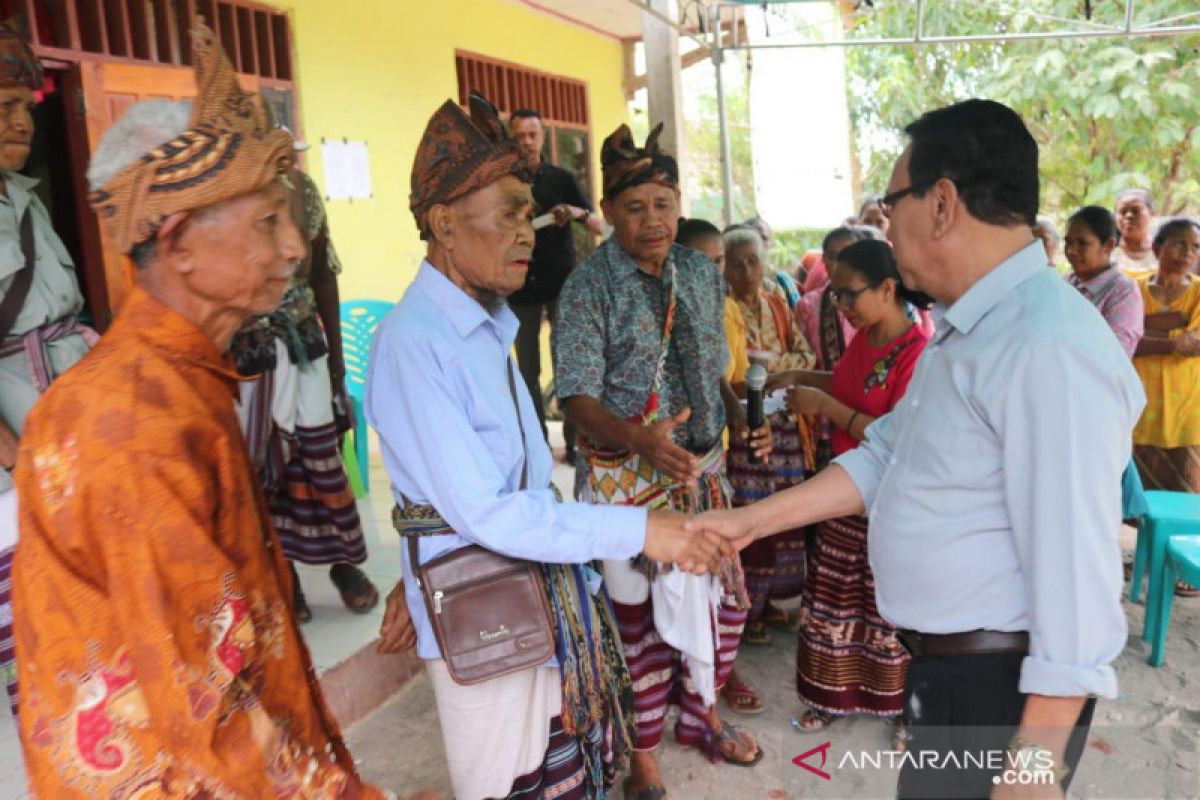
(802, 760)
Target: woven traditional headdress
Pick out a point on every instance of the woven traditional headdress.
(18, 65)
(624, 165)
(460, 154)
(230, 149)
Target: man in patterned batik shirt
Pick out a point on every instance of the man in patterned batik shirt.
(640, 368)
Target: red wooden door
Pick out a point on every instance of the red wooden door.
(107, 89)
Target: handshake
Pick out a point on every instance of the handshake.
(695, 544)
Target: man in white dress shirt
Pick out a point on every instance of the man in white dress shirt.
(993, 488)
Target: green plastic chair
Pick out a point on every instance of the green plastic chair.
(360, 318)
(1170, 514)
(1181, 562)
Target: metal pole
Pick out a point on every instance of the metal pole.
(718, 57)
(1114, 33)
(644, 6)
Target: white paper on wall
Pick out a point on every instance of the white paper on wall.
(347, 169)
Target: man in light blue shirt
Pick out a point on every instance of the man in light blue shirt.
(459, 434)
(993, 488)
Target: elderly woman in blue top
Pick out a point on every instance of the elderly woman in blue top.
(998, 564)
(458, 433)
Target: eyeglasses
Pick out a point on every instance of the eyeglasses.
(888, 201)
(846, 298)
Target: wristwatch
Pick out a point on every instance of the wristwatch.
(1031, 757)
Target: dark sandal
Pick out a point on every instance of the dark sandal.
(730, 733)
(300, 607)
(740, 696)
(359, 595)
(644, 793)
(781, 620)
(1185, 589)
(755, 633)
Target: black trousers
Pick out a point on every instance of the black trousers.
(964, 705)
(529, 360)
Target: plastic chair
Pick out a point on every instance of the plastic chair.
(1181, 562)
(1170, 514)
(360, 318)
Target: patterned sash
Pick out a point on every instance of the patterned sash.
(596, 687)
(35, 342)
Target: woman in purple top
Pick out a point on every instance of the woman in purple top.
(1091, 238)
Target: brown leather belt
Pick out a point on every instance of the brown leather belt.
(963, 644)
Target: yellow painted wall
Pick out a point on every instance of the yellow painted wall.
(375, 70)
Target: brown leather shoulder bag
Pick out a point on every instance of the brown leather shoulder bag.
(490, 613)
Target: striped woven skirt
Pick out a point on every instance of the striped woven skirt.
(563, 773)
(504, 738)
(8, 655)
(848, 659)
(774, 566)
(661, 677)
(287, 417)
(1168, 469)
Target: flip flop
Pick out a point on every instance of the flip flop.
(812, 720)
(900, 735)
(741, 697)
(644, 793)
(731, 733)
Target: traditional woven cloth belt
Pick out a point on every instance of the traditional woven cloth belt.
(970, 643)
(34, 343)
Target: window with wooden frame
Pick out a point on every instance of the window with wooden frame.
(103, 55)
(562, 102)
(256, 37)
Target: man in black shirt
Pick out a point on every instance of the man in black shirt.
(557, 192)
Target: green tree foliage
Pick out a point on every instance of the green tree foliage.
(1108, 113)
(704, 147)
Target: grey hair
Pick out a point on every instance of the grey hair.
(1046, 225)
(868, 232)
(143, 127)
(741, 236)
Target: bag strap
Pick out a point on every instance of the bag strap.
(650, 412)
(413, 556)
(512, 390)
(18, 290)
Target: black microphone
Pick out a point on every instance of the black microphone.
(756, 381)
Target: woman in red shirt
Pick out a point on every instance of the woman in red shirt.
(849, 660)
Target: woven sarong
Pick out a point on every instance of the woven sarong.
(1168, 469)
(775, 565)
(287, 416)
(848, 660)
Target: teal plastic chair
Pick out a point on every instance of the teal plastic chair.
(1170, 514)
(360, 318)
(1181, 562)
